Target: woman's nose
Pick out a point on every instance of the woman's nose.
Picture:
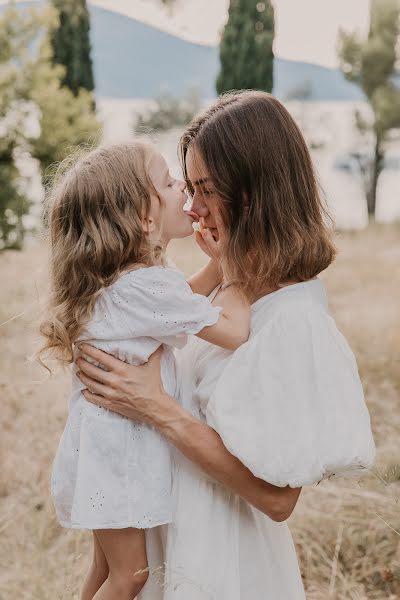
(199, 206)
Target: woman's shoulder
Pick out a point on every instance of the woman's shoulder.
(290, 307)
(296, 321)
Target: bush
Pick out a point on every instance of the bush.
(169, 112)
(13, 206)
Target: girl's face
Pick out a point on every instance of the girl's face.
(167, 219)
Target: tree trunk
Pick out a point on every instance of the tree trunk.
(376, 170)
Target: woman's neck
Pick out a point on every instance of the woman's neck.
(270, 289)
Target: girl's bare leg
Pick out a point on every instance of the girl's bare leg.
(125, 552)
(97, 573)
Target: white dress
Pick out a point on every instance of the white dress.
(289, 404)
(110, 472)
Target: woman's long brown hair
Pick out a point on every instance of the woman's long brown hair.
(262, 171)
(94, 212)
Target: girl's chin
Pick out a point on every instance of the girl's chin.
(183, 234)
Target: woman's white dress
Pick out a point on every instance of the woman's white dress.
(110, 472)
(289, 404)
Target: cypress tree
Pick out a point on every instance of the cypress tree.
(71, 44)
(246, 53)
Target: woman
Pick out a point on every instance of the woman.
(287, 408)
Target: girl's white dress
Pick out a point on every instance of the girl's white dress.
(110, 472)
(289, 404)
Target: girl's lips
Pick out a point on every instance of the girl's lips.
(192, 215)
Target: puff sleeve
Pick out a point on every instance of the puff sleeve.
(290, 403)
(154, 302)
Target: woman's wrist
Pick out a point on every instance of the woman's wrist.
(169, 418)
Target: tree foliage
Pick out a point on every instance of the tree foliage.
(371, 63)
(39, 118)
(71, 44)
(246, 53)
(169, 112)
(66, 121)
(17, 35)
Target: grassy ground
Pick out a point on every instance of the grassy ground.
(344, 531)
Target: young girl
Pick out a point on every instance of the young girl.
(111, 217)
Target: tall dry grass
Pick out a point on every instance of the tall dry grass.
(346, 532)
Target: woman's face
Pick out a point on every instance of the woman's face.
(205, 200)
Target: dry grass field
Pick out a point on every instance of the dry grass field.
(347, 533)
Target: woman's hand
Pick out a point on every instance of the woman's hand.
(134, 392)
(212, 244)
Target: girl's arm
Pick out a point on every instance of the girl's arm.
(233, 326)
(206, 280)
(137, 393)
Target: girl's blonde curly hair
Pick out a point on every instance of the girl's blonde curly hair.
(94, 212)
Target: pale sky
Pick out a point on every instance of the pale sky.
(306, 30)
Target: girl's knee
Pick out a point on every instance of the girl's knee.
(130, 583)
(99, 568)
(141, 578)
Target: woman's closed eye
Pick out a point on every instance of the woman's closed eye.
(205, 191)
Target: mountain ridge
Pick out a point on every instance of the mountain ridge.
(127, 64)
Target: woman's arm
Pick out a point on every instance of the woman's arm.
(137, 393)
(204, 447)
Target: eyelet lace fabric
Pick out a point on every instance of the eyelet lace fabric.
(109, 471)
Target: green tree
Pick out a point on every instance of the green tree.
(371, 63)
(246, 53)
(13, 204)
(66, 121)
(71, 44)
(17, 34)
(31, 91)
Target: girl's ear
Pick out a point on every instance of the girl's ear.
(148, 224)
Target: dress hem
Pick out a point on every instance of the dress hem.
(124, 525)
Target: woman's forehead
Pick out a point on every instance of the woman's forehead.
(196, 169)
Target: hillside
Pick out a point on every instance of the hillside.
(134, 60)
